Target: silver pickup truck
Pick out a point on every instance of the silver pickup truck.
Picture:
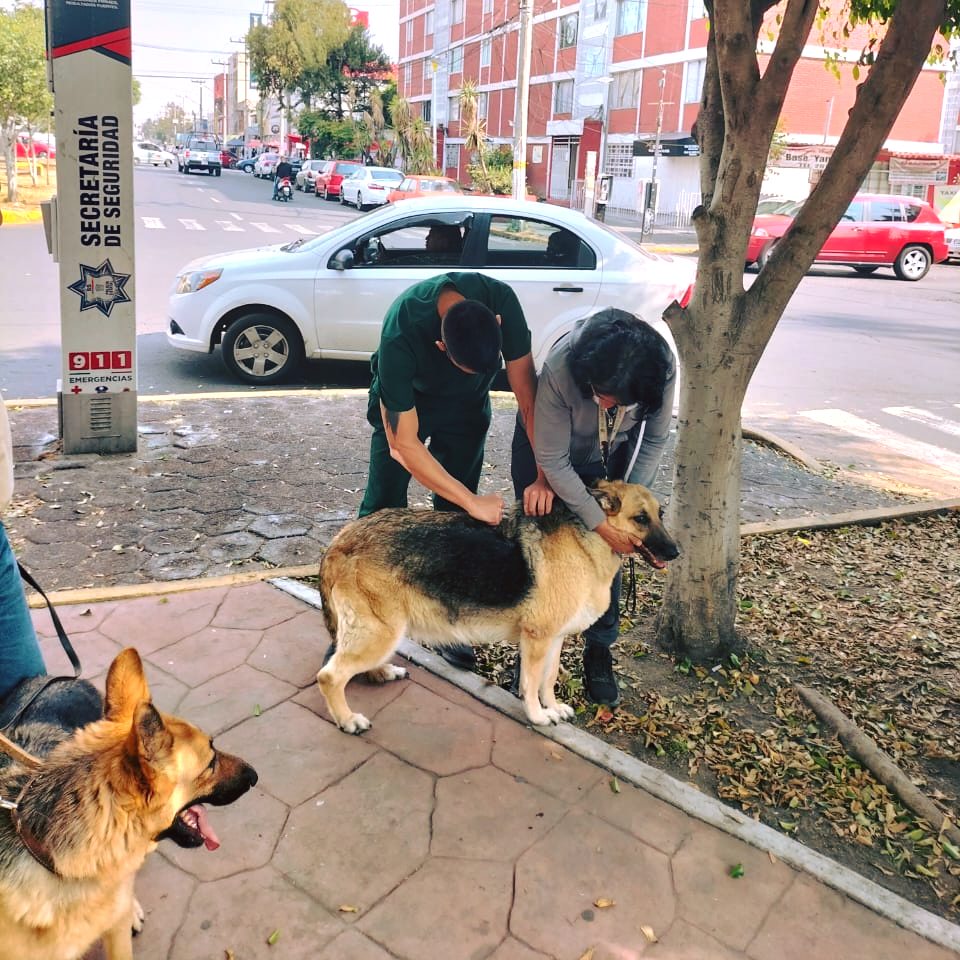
(201, 154)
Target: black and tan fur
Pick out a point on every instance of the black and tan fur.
(442, 577)
(103, 797)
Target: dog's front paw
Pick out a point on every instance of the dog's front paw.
(136, 920)
(356, 723)
(539, 717)
(563, 711)
(386, 673)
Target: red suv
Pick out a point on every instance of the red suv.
(327, 183)
(877, 230)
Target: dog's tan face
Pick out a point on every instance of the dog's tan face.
(634, 510)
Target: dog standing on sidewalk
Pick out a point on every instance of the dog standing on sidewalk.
(443, 577)
(84, 821)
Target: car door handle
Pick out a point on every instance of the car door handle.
(568, 289)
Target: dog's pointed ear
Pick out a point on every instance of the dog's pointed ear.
(608, 500)
(153, 740)
(126, 686)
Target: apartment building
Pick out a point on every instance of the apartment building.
(621, 79)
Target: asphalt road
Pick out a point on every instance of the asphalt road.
(861, 371)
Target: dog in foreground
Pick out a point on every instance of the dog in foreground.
(443, 577)
(105, 793)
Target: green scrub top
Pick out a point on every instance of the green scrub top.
(410, 371)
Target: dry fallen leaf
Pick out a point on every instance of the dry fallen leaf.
(346, 908)
(229, 955)
(587, 954)
(603, 903)
(647, 931)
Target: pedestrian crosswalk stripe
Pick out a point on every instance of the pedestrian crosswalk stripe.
(229, 226)
(236, 216)
(915, 449)
(263, 227)
(298, 228)
(926, 418)
(192, 225)
(153, 223)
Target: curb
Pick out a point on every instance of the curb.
(686, 798)
(12, 217)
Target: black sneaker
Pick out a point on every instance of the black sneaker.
(514, 685)
(459, 655)
(598, 680)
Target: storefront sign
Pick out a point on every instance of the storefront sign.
(920, 170)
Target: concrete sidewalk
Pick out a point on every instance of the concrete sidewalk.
(449, 830)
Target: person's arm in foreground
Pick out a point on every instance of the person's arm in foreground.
(522, 377)
(411, 453)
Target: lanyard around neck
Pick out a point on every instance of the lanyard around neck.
(607, 428)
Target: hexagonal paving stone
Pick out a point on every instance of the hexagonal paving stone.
(296, 754)
(149, 623)
(275, 526)
(290, 552)
(223, 521)
(512, 949)
(206, 654)
(433, 733)
(175, 566)
(455, 909)
(230, 546)
(361, 837)
(683, 941)
(170, 541)
(248, 830)
(174, 500)
(213, 924)
(486, 814)
(162, 519)
(580, 861)
(701, 870)
(293, 650)
(256, 606)
(352, 945)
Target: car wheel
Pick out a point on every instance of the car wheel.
(261, 348)
(765, 253)
(912, 263)
(168, 163)
(865, 271)
(343, 199)
(136, 161)
(217, 172)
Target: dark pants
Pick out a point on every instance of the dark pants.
(455, 438)
(523, 471)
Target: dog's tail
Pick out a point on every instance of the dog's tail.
(326, 595)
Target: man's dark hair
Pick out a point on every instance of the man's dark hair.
(619, 355)
(472, 336)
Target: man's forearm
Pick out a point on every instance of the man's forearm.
(417, 460)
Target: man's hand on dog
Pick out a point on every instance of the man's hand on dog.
(488, 508)
(617, 541)
(538, 498)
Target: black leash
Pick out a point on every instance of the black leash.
(64, 642)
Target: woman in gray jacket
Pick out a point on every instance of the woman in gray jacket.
(603, 409)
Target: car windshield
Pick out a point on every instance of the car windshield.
(203, 145)
(346, 168)
(382, 173)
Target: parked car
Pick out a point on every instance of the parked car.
(328, 180)
(877, 230)
(953, 243)
(422, 186)
(264, 165)
(152, 153)
(227, 160)
(369, 186)
(307, 174)
(247, 164)
(203, 154)
(325, 298)
(41, 150)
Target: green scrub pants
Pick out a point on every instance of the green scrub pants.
(455, 435)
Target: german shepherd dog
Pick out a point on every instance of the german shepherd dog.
(86, 818)
(443, 577)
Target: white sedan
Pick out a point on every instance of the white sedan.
(325, 298)
(953, 243)
(369, 186)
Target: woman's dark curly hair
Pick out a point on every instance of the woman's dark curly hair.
(619, 355)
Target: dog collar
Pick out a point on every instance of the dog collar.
(27, 837)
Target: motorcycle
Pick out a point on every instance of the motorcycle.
(284, 190)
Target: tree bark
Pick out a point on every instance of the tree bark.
(864, 748)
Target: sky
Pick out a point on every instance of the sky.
(176, 41)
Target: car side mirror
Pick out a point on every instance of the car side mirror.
(342, 260)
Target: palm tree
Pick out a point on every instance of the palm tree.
(472, 125)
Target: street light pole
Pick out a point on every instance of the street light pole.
(647, 227)
(525, 53)
(433, 110)
(202, 83)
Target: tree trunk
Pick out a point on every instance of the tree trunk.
(697, 618)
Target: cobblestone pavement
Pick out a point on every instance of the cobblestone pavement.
(220, 486)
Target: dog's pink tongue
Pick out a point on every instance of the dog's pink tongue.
(210, 839)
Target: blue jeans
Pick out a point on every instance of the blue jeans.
(19, 651)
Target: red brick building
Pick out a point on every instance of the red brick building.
(604, 72)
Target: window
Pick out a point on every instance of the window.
(697, 10)
(427, 71)
(563, 96)
(485, 52)
(456, 11)
(423, 242)
(854, 213)
(481, 105)
(521, 242)
(631, 16)
(409, 33)
(456, 60)
(618, 161)
(626, 90)
(568, 30)
(428, 24)
(451, 155)
(693, 81)
(887, 211)
(599, 10)
(595, 62)
(407, 74)
(453, 109)
(911, 211)
(488, 6)
(426, 113)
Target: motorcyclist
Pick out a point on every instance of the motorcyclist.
(283, 170)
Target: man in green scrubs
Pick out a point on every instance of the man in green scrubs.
(440, 349)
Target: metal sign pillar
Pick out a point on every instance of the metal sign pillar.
(92, 222)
